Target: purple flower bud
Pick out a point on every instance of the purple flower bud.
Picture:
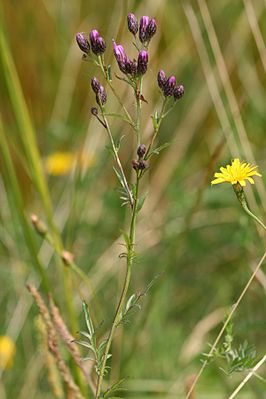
(120, 56)
(142, 164)
(95, 84)
(101, 96)
(179, 91)
(151, 29)
(141, 151)
(98, 45)
(131, 67)
(135, 164)
(161, 79)
(83, 43)
(132, 24)
(144, 23)
(142, 62)
(169, 86)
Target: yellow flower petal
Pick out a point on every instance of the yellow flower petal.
(237, 172)
(7, 352)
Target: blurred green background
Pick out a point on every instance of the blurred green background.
(192, 236)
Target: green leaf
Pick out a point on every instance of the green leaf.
(88, 318)
(109, 73)
(141, 202)
(157, 150)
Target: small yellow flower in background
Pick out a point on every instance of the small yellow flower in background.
(61, 163)
(235, 173)
(7, 352)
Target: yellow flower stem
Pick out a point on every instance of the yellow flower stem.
(242, 199)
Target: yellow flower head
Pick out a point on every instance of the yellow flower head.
(238, 172)
(61, 163)
(7, 352)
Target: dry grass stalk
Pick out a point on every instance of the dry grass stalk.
(68, 339)
(53, 345)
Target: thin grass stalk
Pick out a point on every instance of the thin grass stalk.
(28, 139)
(16, 202)
(228, 319)
(247, 378)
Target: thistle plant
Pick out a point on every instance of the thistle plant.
(132, 72)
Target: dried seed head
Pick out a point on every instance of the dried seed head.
(67, 257)
(179, 91)
(132, 24)
(144, 23)
(38, 225)
(169, 86)
(95, 84)
(161, 79)
(83, 42)
(141, 151)
(142, 62)
(98, 45)
(101, 96)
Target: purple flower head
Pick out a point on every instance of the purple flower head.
(144, 23)
(142, 62)
(95, 85)
(151, 29)
(132, 24)
(98, 45)
(161, 79)
(83, 42)
(101, 96)
(120, 56)
(169, 86)
(179, 91)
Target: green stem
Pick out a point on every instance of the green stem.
(109, 82)
(157, 127)
(254, 217)
(138, 93)
(238, 189)
(121, 303)
(120, 167)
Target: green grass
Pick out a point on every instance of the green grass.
(196, 237)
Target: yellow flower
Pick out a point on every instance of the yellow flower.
(238, 172)
(61, 163)
(7, 352)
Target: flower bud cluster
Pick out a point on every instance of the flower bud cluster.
(146, 28)
(140, 164)
(101, 96)
(96, 44)
(131, 67)
(169, 86)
